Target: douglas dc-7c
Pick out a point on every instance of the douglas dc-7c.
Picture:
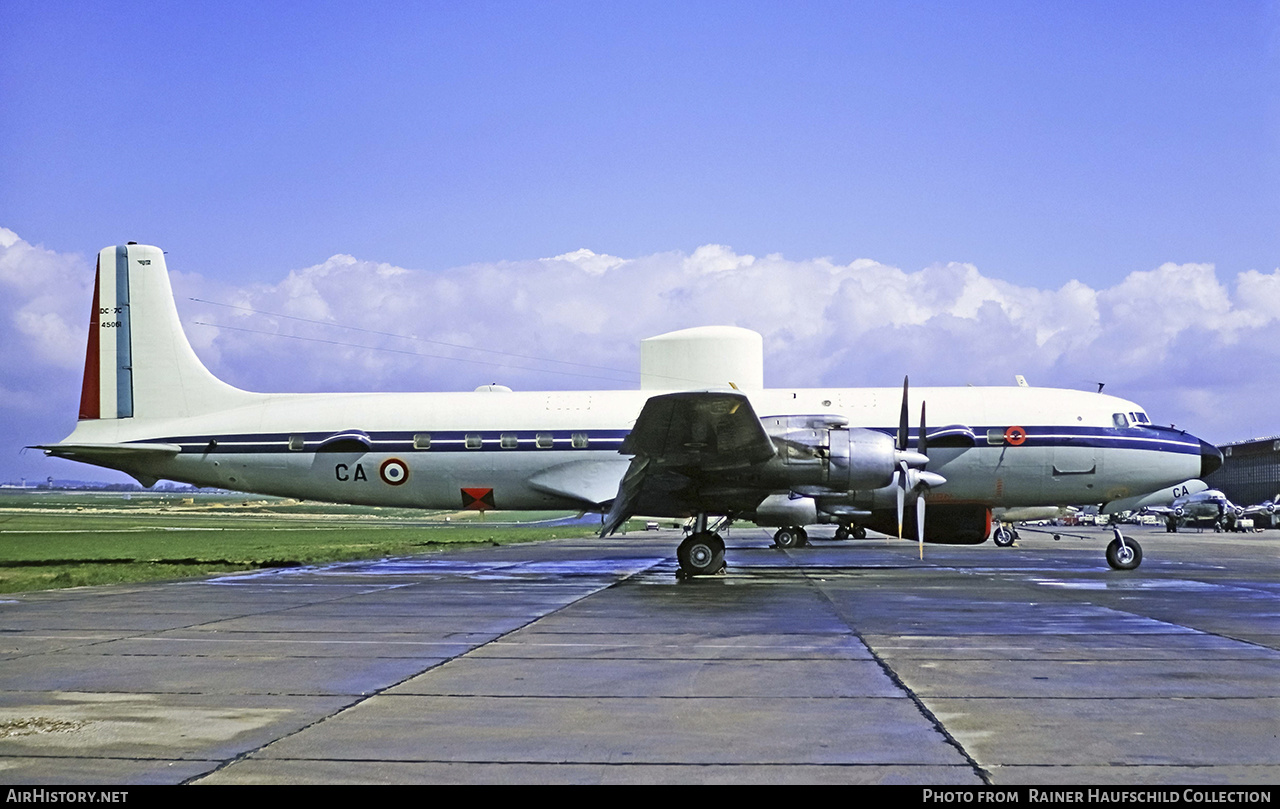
(702, 439)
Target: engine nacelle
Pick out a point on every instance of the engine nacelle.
(820, 452)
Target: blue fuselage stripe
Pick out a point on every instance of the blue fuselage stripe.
(1136, 438)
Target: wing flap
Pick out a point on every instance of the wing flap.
(691, 435)
(705, 430)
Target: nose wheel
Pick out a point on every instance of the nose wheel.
(1123, 554)
(1004, 537)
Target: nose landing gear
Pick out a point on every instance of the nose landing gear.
(1123, 554)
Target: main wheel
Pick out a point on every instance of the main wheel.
(787, 538)
(859, 532)
(842, 533)
(701, 554)
(1003, 537)
(1124, 557)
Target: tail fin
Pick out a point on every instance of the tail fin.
(139, 363)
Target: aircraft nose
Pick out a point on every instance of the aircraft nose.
(1210, 459)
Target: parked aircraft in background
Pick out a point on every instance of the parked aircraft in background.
(1268, 512)
(1209, 508)
(716, 445)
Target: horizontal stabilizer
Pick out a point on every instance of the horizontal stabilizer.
(128, 458)
(115, 452)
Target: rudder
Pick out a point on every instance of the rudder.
(138, 361)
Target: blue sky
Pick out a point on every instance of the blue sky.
(1039, 144)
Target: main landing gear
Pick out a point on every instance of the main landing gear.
(846, 531)
(702, 552)
(792, 536)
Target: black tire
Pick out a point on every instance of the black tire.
(859, 532)
(1124, 557)
(842, 533)
(787, 538)
(701, 554)
(1003, 537)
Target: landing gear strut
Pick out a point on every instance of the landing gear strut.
(1003, 536)
(1123, 554)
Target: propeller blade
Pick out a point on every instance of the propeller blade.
(902, 418)
(900, 481)
(920, 521)
(922, 446)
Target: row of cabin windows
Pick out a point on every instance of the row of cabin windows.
(510, 441)
(474, 441)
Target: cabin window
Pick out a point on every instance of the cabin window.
(995, 436)
(1120, 420)
(579, 440)
(474, 441)
(297, 443)
(422, 440)
(508, 441)
(545, 441)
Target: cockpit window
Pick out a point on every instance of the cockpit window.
(1120, 419)
(1141, 418)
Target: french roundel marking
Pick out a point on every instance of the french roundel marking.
(393, 472)
(1015, 436)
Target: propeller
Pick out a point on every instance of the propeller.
(911, 475)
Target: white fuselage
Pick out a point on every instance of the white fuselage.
(557, 450)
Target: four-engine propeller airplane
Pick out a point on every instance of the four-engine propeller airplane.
(777, 457)
(1210, 508)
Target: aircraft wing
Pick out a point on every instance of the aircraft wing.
(1269, 507)
(679, 437)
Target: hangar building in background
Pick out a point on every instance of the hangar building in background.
(1250, 471)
